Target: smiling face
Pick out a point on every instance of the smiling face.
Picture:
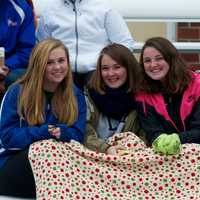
(113, 74)
(56, 69)
(155, 65)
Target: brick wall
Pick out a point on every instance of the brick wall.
(189, 32)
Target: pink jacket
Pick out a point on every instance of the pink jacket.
(190, 97)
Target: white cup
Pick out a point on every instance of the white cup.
(2, 56)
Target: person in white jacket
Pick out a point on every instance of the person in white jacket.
(85, 27)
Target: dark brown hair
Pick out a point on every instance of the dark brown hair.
(124, 57)
(178, 76)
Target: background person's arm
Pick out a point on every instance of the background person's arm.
(117, 29)
(24, 44)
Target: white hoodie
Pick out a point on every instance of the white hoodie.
(85, 28)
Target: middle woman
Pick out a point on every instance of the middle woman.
(110, 99)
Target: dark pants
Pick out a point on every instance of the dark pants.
(82, 79)
(5, 82)
(16, 177)
(13, 76)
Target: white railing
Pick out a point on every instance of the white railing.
(183, 47)
(170, 12)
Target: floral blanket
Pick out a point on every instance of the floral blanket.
(70, 171)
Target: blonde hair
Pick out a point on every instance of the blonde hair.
(32, 98)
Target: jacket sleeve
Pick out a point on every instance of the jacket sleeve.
(24, 44)
(132, 124)
(193, 124)
(77, 130)
(117, 29)
(12, 135)
(43, 30)
(149, 122)
(91, 139)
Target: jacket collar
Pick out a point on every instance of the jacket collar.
(71, 1)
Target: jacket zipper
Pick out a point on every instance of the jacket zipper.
(76, 34)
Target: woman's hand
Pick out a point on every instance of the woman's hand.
(54, 131)
(114, 150)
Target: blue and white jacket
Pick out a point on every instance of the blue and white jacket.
(17, 32)
(16, 134)
(85, 27)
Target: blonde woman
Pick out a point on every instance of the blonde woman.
(43, 104)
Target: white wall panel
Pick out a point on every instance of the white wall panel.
(178, 10)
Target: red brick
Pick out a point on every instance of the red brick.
(188, 33)
(195, 24)
(190, 57)
(181, 24)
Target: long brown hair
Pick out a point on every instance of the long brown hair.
(123, 56)
(178, 76)
(32, 97)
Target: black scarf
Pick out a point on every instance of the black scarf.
(115, 103)
(49, 96)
